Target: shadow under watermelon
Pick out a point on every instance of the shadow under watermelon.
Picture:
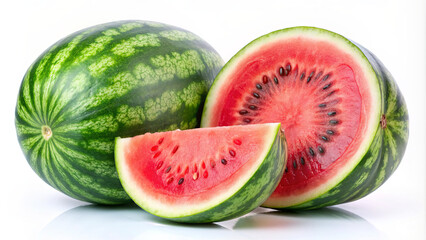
(125, 222)
(327, 223)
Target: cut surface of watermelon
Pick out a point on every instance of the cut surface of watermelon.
(327, 92)
(202, 175)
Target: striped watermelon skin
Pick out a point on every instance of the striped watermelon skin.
(385, 152)
(117, 79)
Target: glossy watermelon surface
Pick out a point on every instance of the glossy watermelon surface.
(117, 79)
(343, 115)
(202, 175)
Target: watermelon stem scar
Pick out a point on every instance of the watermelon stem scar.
(46, 132)
(383, 123)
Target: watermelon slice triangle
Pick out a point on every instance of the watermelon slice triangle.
(202, 175)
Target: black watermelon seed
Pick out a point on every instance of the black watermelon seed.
(281, 71)
(258, 86)
(325, 77)
(322, 105)
(333, 122)
(329, 94)
(320, 149)
(180, 181)
(302, 160)
(326, 86)
(324, 138)
(311, 151)
(252, 107)
(331, 113)
(302, 76)
(288, 67)
(310, 77)
(247, 120)
(168, 169)
(256, 95)
(294, 164)
(330, 132)
(223, 161)
(286, 169)
(243, 112)
(276, 80)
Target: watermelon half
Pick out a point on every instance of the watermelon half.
(344, 117)
(202, 175)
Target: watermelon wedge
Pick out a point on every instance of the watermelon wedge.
(202, 175)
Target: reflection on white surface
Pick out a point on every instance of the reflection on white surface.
(125, 222)
(131, 222)
(327, 223)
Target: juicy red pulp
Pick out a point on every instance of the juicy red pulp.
(312, 93)
(186, 164)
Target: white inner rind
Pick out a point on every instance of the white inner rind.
(221, 82)
(157, 205)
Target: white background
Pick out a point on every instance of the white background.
(394, 30)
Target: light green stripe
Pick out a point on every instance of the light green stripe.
(212, 59)
(398, 128)
(30, 144)
(98, 67)
(55, 66)
(111, 32)
(128, 47)
(177, 35)
(22, 129)
(98, 169)
(37, 164)
(63, 164)
(65, 93)
(93, 49)
(390, 140)
(27, 117)
(47, 162)
(182, 125)
(130, 116)
(129, 26)
(26, 95)
(183, 65)
(100, 124)
(122, 83)
(382, 171)
(172, 101)
(105, 146)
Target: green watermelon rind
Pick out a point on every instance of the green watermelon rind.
(381, 151)
(255, 190)
(121, 78)
(385, 152)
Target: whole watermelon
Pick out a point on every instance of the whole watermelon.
(116, 79)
